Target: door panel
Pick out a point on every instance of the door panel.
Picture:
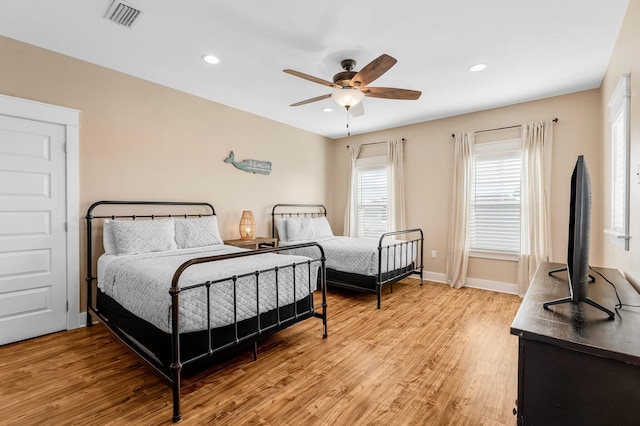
(33, 277)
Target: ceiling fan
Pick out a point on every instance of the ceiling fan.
(352, 85)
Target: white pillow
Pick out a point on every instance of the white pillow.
(300, 229)
(143, 236)
(321, 227)
(197, 232)
(108, 242)
(281, 227)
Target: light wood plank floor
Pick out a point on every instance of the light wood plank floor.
(431, 356)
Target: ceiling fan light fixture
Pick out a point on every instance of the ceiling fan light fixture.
(477, 67)
(347, 97)
(210, 59)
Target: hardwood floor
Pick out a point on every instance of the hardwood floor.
(431, 356)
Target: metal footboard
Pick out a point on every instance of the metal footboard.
(176, 290)
(404, 251)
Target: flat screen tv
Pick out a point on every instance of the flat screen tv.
(578, 244)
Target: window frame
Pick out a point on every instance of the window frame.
(619, 108)
(496, 148)
(370, 163)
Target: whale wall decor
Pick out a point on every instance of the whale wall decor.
(251, 166)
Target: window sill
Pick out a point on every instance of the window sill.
(615, 234)
(494, 255)
(619, 238)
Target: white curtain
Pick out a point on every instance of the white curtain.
(350, 210)
(535, 217)
(395, 172)
(458, 244)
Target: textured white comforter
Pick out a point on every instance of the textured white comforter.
(360, 255)
(140, 283)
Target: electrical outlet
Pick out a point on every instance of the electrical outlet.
(434, 254)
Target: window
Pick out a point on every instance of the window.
(371, 195)
(494, 221)
(619, 122)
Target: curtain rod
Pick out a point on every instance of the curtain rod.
(376, 143)
(453, 135)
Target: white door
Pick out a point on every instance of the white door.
(33, 276)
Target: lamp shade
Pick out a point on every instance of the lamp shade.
(247, 225)
(347, 97)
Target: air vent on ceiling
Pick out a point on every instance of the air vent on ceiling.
(122, 13)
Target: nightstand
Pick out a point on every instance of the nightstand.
(254, 244)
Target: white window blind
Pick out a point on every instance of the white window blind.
(619, 122)
(495, 198)
(371, 197)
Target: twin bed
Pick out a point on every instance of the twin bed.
(170, 289)
(352, 263)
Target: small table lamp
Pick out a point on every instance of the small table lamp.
(247, 225)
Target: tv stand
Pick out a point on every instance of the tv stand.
(574, 366)
(570, 299)
(587, 301)
(565, 269)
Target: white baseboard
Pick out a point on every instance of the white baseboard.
(83, 319)
(431, 276)
(500, 287)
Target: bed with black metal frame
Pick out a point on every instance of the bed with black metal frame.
(399, 254)
(175, 352)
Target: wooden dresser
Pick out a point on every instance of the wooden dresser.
(575, 366)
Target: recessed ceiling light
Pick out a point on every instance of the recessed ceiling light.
(210, 59)
(477, 67)
(327, 109)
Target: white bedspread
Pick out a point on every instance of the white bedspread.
(140, 283)
(360, 255)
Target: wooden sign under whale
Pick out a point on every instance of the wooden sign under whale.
(251, 166)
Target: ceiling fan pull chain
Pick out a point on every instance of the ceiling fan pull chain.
(348, 122)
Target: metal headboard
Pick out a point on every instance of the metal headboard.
(90, 217)
(295, 210)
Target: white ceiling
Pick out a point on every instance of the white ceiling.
(534, 49)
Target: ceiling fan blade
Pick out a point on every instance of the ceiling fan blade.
(391, 93)
(311, 78)
(373, 70)
(357, 110)
(308, 101)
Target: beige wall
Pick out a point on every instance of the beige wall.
(139, 140)
(429, 171)
(625, 59)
